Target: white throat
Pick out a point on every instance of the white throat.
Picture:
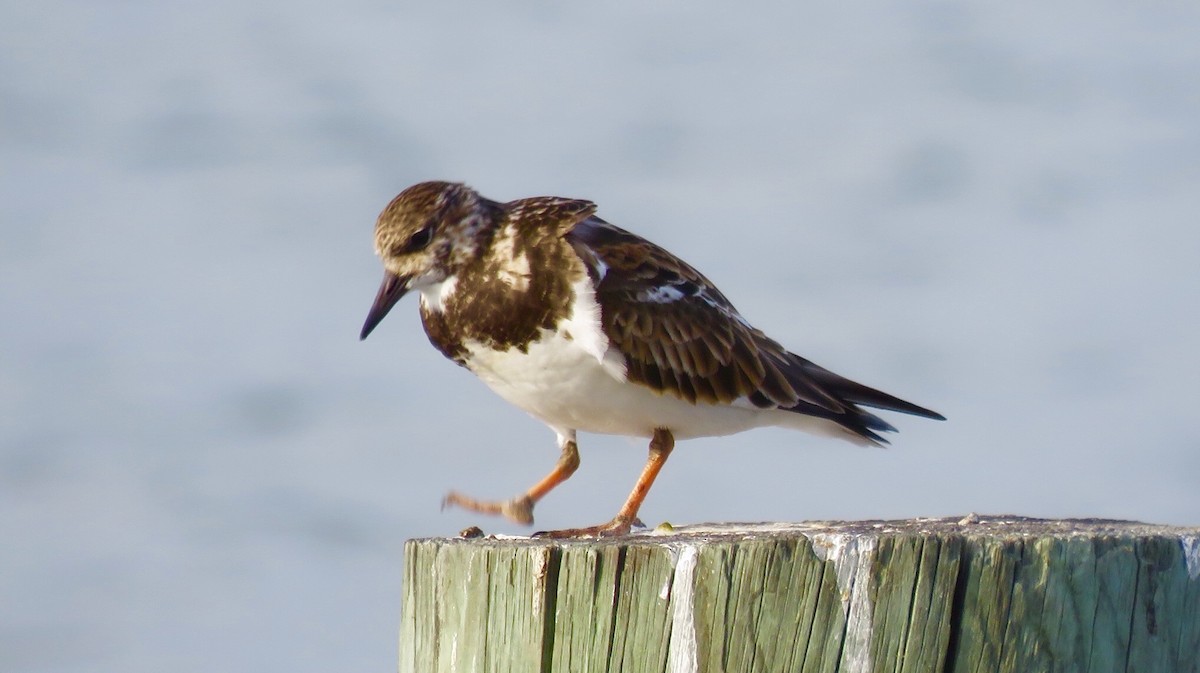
(435, 295)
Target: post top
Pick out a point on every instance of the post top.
(970, 526)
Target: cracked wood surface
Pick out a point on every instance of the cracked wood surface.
(981, 593)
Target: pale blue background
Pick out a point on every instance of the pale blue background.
(990, 209)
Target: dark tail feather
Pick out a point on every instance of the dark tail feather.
(827, 395)
(856, 393)
(862, 423)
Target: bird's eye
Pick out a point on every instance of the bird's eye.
(420, 240)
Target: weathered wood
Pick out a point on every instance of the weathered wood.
(981, 594)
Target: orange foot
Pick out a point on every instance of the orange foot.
(519, 509)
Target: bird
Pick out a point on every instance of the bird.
(591, 328)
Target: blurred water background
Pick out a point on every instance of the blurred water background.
(990, 209)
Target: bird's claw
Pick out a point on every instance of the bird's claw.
(615, 528)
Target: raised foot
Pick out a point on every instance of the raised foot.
(518, 509)
(615, 528)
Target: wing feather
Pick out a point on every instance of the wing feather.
(659, 313)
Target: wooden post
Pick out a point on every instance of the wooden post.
(1002, 594)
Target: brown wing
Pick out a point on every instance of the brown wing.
(678, 332)
(681, 336)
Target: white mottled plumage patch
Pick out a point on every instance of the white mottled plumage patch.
(463, 236)
(599, 267)
(583, 325)
(723, 307)
(663, 294)
(512, 265)
(435, 296)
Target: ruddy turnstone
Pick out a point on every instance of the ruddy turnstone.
(589, 327)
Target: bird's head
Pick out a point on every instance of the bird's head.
(423, 236)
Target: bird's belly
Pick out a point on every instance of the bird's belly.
(568, 388)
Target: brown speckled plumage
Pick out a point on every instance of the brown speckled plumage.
(495, 313)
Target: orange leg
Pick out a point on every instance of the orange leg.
(660, 447)
(520, 508)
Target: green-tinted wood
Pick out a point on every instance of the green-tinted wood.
(1001, 594)
(643, 619)
(819, 588)
(1025, 646)
(587, 585)
(711, 575)
(743, 611)
(988, 578)
(835, 592)
(1116, 568)
(1160, 567)
(783, 606)
(897, 564)
(933, 603)
(1068, 601)
(419, 590)
(1189, 639)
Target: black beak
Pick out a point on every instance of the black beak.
(391, 290)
